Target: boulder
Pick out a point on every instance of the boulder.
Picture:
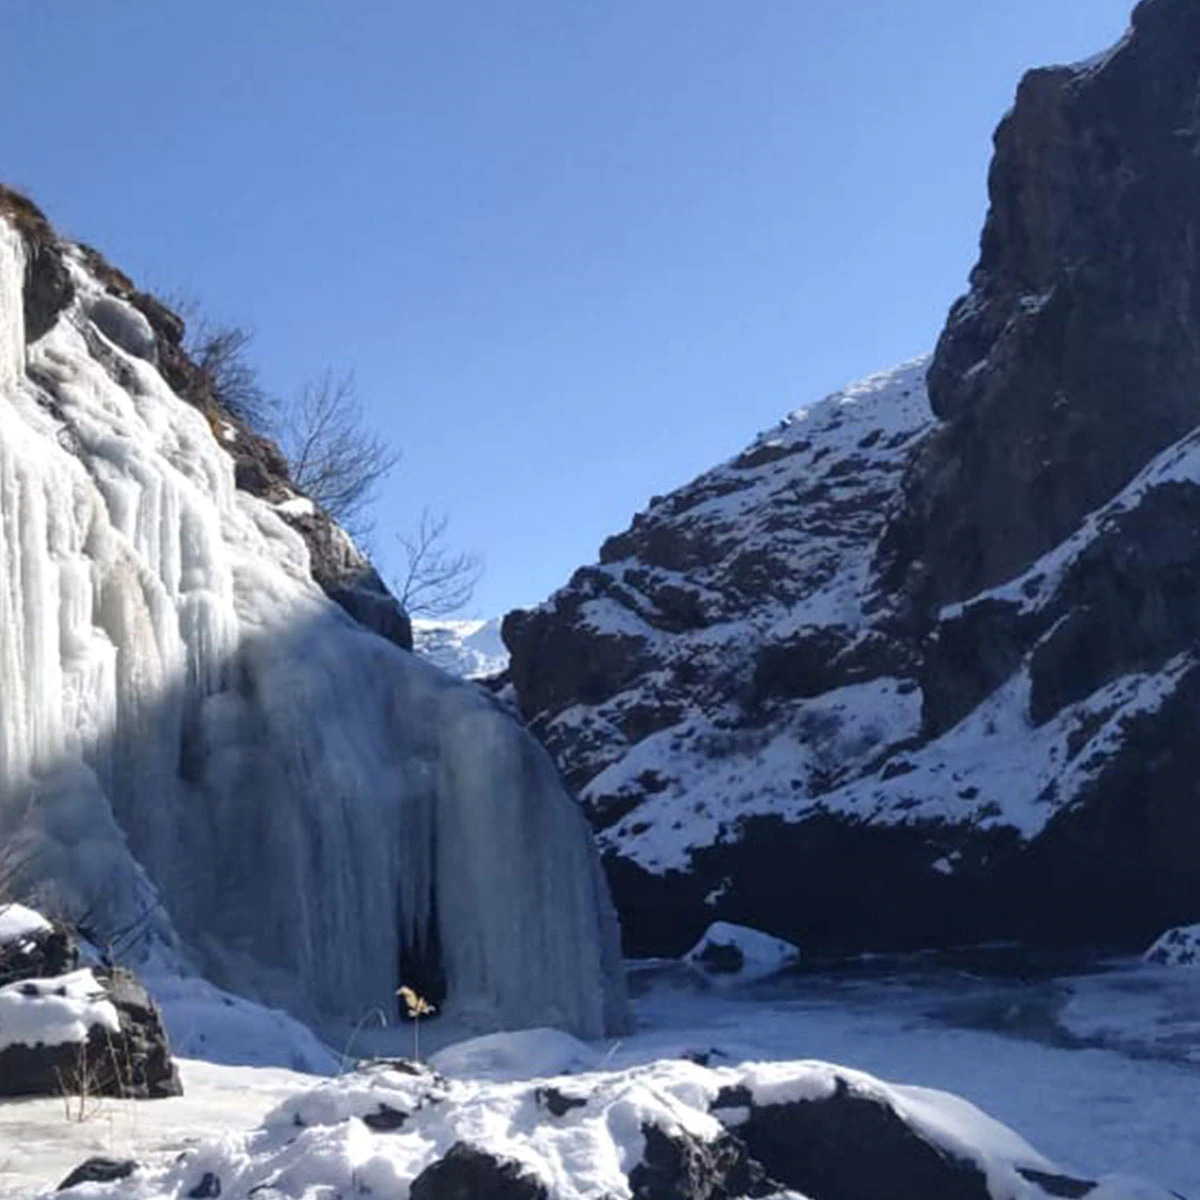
(466, 1172)
(74, 1032)
(99, 1170)
(736, 953)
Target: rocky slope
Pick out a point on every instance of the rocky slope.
(207, 760)
(919, 666)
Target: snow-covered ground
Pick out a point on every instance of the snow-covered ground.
(1100, 1072)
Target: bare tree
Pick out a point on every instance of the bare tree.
(437, 581)
(334, 457)
(222, 354)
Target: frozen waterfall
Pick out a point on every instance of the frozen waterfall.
(195, 739)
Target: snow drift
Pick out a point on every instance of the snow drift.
(200, 750)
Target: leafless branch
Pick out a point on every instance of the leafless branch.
(334, 457)
(222, 354)
(436, 581)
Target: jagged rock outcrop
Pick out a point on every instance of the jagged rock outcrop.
(201, 753)
(917, 670)
(1075, 356)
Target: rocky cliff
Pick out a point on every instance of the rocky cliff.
(920, 665)
(208, 752)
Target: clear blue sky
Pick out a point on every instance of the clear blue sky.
(575, 250)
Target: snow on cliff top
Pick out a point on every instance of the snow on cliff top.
(470, 649)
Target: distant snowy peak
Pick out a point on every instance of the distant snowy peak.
(469, 649)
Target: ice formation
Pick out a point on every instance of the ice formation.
(196, 745)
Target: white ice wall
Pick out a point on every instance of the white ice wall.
(176, 694)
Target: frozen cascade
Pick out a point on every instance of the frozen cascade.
(193, 737)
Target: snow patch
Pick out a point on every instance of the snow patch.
(738, 954)
(54, 1011)
(18, 923)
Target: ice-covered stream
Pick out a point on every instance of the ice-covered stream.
(198, 746)
(1098, 1064)
(1095, 1102)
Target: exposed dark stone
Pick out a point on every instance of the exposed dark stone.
(725, 959)
(141, 1066)
(48, 288)
(558, 663)
(99, 1170)
(385, 1119)
(208, 1188)
(732, 1097)
(967, 658)
(680, 1166)
(44, 954)
(558, 1103)
(344, 574)
(468, 1173)
(853, 1147)
(1058, 1185)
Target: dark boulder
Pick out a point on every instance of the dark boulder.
(850, 1146)
(468, 1173)
(99, 1170)
(680, 1166)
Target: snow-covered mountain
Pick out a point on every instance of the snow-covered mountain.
(470, 649)
(207, 749)
(919, 666)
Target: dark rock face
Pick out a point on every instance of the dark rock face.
(346, 576)
(681, 1166)
(48, 287)
(885, 682)
(1075, 357)
(141, 1066)
(466, 1173)
(38, 955)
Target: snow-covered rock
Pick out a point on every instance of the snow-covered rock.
(670, 1128)
(203, 753)
(52, 1012)
(919, 666)
(77, 1030)
(737, 954)
(470, 649)
(20, 924)
(1177, 948)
